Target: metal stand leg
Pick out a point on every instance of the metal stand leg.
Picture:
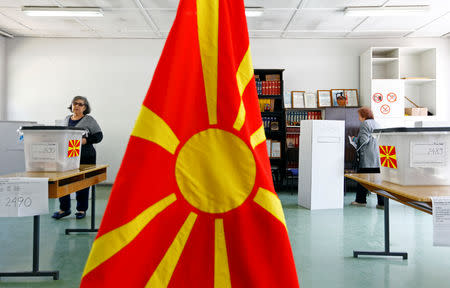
(92, 229)
(386, 251)
(36, 236)
(35, 272)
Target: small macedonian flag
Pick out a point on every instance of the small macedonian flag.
(74, 148)
(388, 158)
(193, 204)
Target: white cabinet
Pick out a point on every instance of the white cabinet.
(409, 70)
(321, 164)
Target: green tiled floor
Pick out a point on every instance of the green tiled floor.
(322, 243)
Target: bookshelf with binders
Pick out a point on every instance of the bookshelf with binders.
(269, 86)
(293, 118)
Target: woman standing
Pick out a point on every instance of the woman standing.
(369, 159)
(80, 109)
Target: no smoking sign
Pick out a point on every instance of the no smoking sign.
(385, 109)
(377, 97)
(391, 97)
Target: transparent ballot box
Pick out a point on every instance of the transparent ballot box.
(52, 148)
(414, 156)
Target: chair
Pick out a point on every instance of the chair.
(276, 176)
(292, 178)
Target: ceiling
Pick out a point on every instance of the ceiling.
(281, 19)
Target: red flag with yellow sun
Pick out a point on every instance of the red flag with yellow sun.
(193, 204)
(388, 157)
(73, 148)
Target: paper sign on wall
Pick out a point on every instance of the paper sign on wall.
(20, 196)
(428, 155)
(441, 220)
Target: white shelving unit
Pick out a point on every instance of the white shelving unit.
(384, 63)
(407, 71)
(418, 69)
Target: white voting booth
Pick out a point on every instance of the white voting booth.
(18, 196)
(321, 164)
(12, 157)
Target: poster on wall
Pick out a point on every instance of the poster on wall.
(338, 97)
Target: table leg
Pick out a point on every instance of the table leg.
(386, 251)
(92, 229)
(35, 272)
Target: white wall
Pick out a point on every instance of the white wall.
(44, 74)
(322, 64)
(2, 78)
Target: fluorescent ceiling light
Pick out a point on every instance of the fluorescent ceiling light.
(386, 10)
(52, 11)
(6, 34)
(254, 11)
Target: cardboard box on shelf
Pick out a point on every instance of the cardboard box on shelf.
(422, 111)
(273, 77)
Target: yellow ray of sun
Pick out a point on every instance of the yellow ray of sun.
(161, 276)
(208, 36)
(258, 137)
(240, 118)
(221, 270)
(112, 242)
(390, 149)
(151, 127)
(243, 77)
(270, 202)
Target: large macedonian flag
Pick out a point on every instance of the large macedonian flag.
(193, 204)
(388, 157)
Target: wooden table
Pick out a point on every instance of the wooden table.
(61, 184)
(418, 197)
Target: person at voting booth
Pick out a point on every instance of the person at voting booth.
(367, 155)
(80, 109)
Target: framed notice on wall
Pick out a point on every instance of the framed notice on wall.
(298, 99)
(276, 149)
(324, 98)
(351, 97)
(269, 147)
(310, 100)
